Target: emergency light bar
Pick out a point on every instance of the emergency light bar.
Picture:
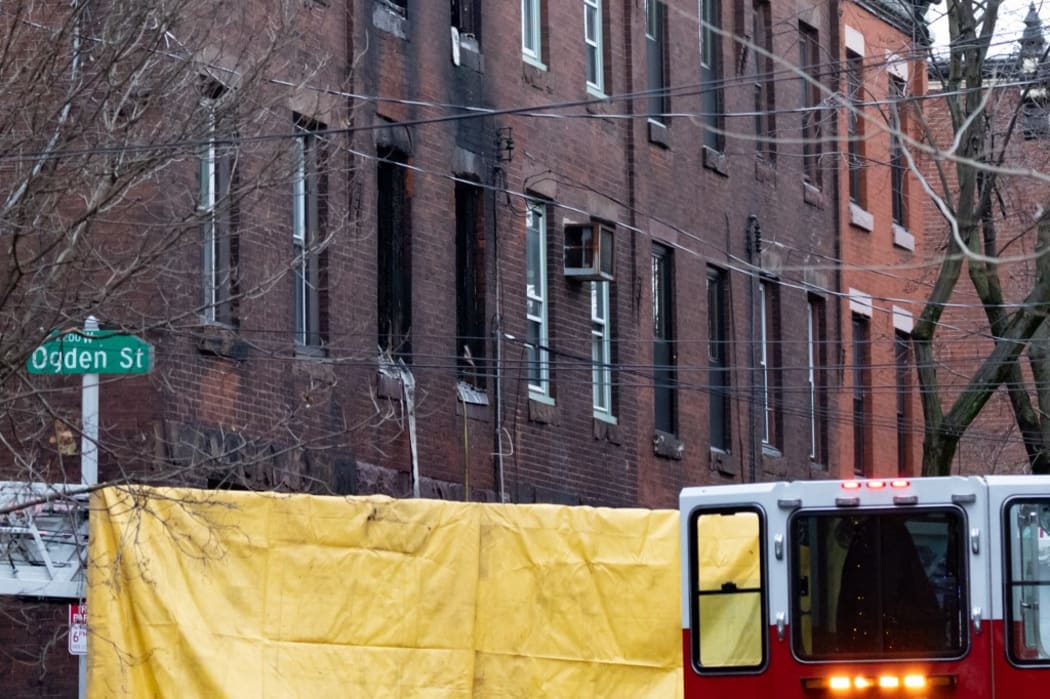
(840, 684)
(876, 484)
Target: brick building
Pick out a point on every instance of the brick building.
(589, 266)
(882, 211)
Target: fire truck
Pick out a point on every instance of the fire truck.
(925, 587)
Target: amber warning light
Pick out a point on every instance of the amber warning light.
(841, 685)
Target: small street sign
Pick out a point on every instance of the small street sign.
(92, 352)
(78, 629)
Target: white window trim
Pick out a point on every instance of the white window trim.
(596, 44)
(601, 351)
(763, 364)
(811, 376)
(539, 297)
(532, 42)
(300, 278)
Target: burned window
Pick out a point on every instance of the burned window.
(218, 208)
(470, 284)
(394, 254)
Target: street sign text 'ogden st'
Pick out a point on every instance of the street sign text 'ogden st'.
(92, 352)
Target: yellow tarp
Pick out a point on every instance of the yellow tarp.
(223, 594)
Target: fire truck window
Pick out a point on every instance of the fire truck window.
(1028, 582)
(729, 625)
(878, 585)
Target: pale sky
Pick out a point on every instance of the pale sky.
(1009, 26)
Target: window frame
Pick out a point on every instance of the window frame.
(532, 32)
(695, 630)
(601, 351)
(394, 255)
(902, 374)
(656, 61)
(309, 185)
(898, 164)
(795, 575)
(711, 88)
(855, 127)
(718, 357)
(861, 392)
(816, 341)
(769, 362)
(537, 225)
(594, 45)
(809, 62)
(217, 170)
(765, 81)
(1010, 583)
(665, 379)
(471, 326)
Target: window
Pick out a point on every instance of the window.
(898, 165)
(728, 590)
(656, 60)
(765, 93)
(718, 357)
(1028, 581)
(769, 362)
(536, 310)
(861, 395)
(531, 31)
(711, 74)
(466, 18)
(816, 342)
(594, 40)
(809, 62)
(393, 255)
(902, 362)
(309, 217)
(879, 585)
(218, 209)
(665, 393)
(601, 350)
(470, 284)
(855, 126)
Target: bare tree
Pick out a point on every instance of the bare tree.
(976, 162)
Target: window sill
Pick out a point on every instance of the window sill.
(472, 400)
(605, 427)
(390, 19)
(311, 352)
(812, 195)
(716, 161)
(542, 409)
(533, 62)
(902, 238)
(221, 340)
(771, 452)
(722, 461)
(668, 446)
(860, 218)
(659, 133)
(765, 170)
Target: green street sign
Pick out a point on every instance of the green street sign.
(92, 352)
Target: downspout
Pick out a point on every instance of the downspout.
(498, 330)
(834, 34)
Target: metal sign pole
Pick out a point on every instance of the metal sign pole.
(88, 454)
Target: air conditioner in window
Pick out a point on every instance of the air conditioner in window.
(589, 252)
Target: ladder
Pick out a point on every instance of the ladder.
(43, 545)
